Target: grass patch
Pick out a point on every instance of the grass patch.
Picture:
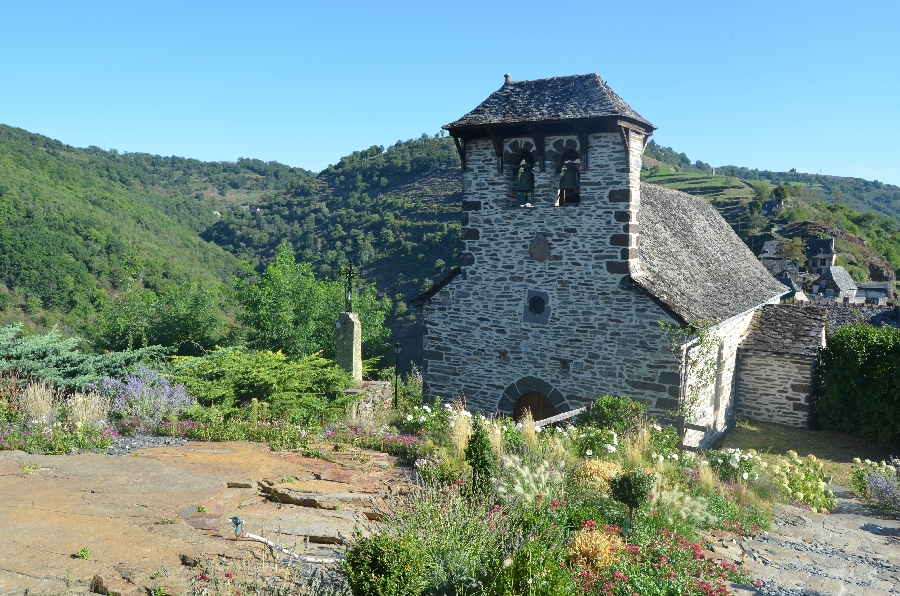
(836, 450)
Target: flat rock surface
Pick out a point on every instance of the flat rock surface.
(852, 551)
(140, 513)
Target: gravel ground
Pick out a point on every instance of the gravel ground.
(124, 444)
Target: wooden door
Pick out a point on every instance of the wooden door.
(540, 406)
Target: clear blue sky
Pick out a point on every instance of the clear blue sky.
(773, 85)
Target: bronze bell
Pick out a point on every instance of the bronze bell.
(569, 180)
(526, 181)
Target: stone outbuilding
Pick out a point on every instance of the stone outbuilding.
(569, 265)
(776, 363)
(835, 282)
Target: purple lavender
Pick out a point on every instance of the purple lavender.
(145, 396)
(883, 487)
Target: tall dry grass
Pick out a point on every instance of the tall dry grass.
(87, 408)
(529, 435)
(461, 431)
(39, 400)
(637, 447)
(707, 477)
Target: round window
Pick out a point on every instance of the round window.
(537, 305)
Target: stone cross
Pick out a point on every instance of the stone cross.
(348, 345)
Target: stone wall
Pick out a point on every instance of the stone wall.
(717, 401)
(596, 336)
(774, 388)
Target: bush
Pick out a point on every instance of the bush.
(859, 377)
(632, 489)
(802, 482)
(618, 413)
(878, 483)
(308, 391)
(481, 457)
(733, 465)
(143, 399)
(385, 565)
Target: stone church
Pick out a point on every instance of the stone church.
(570, 263)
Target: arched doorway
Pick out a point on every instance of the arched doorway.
(537, 402)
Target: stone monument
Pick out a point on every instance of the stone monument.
(348, 345)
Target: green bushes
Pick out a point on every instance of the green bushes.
(860, 374)
(617, 413)
(385, 565)
(305, 391)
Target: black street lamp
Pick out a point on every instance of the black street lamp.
(396, 370)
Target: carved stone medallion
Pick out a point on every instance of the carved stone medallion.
(539, 249)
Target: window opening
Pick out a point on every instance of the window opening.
(537, 305)
(524, 177)
(569, 179)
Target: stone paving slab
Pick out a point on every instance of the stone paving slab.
(853, 551)
(139, 515)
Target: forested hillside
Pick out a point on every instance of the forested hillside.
(95, 240)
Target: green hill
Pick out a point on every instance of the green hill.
(80, 225)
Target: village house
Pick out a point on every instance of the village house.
(820, 255)
(569, 266)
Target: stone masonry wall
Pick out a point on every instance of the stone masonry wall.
(595, 337)
(774, 388)
(730, 334)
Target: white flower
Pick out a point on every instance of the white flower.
(427, 409)
(611, 448)
(745, 475)
(497, 431)
(467, 413)
(657, 427)
(589, 453)
(856, 460)
(756, 476)
(409, 417)
(421, 418)
(674, 456)
(537, 428)
(661, 459)
(518, 426)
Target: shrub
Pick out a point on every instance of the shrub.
(144, 398)
(480, 456)
(666, 564)
(308, 391)
(733, 465)
(619, 413)
(595, 442)
(802, 482)
(632, 489)
(385, 565)
(859, 376)
(878, 483)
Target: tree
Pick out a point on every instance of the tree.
(288, 309)
(760, 196)
(793, 249)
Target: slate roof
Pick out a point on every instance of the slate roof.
(558, 98)
(787, 330)
(693, 262)
(839, 276)
(841, 315)
(770, 250)
(782, 268)
(817, 246)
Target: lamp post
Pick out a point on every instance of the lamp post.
(396, 370)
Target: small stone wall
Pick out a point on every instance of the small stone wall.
(377, 395)
(774, 388)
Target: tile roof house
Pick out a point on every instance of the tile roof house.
(771, 250)
(559, 301)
